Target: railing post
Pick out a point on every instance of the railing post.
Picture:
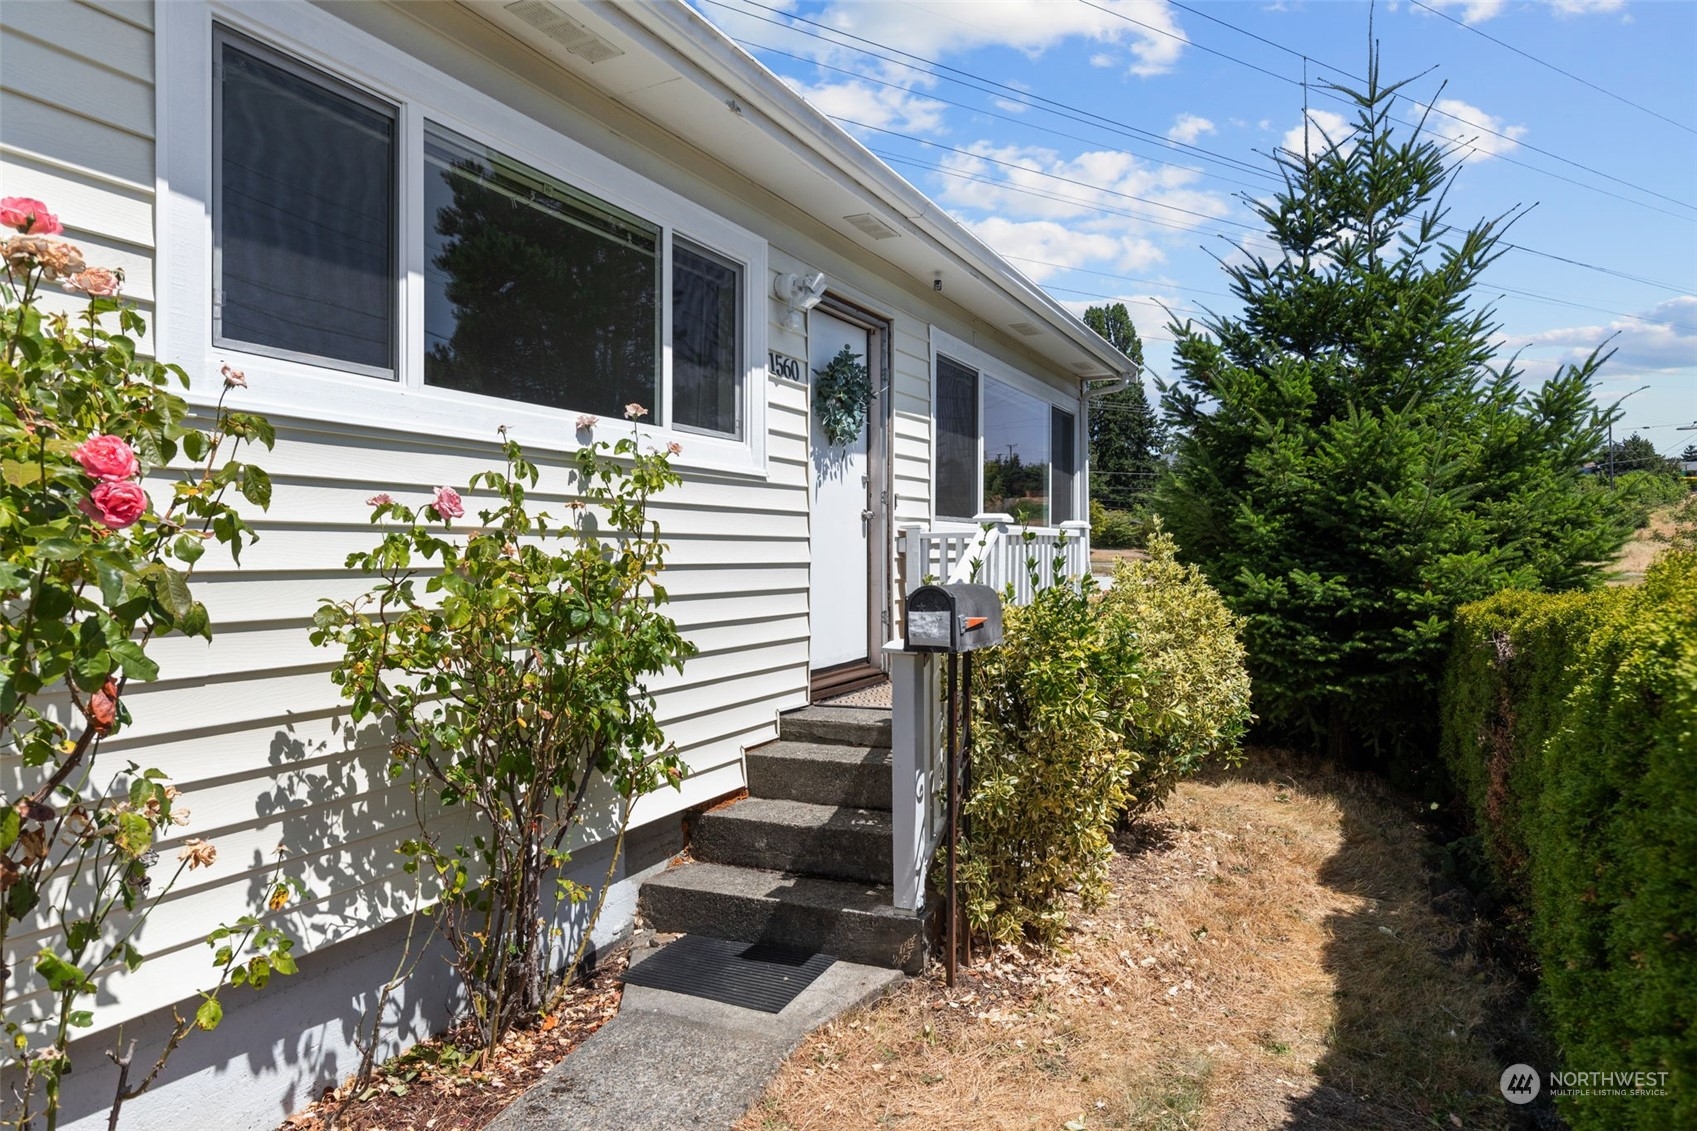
(1078, 547)
(912, 734)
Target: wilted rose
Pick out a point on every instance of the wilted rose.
(97, 282)
(233, 378)
(108, 457)
(634, 411)
(29, 216)
(674, 449)
(59, 260)
(586, 422)
(198, 853)
(115, 505)
(381, 499)
(103, 706)
(448, 503)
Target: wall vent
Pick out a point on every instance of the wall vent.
(1025, 328)
(564, 30)
(872, 226)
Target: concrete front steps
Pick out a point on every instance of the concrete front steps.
(804, 861)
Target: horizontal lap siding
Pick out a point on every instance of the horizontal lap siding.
(249, 725)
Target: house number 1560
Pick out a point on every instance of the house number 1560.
(785, 366)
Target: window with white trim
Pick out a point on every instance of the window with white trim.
(351, 226)
(1001, 447)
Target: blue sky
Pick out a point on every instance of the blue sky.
(1101, 145)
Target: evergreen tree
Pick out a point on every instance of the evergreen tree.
(1354, 464)
(1689, 455)
(1635, 453)
(1126, 436)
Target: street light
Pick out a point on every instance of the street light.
(1612, 408)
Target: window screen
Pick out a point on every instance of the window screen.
(957, 439)
(706, 355)
(303, 213)
(534, 291)
(1063, 437)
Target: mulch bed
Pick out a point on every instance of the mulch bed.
(433, 1087)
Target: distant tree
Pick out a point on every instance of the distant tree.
(1635, 453)
(1689, 455)
(1353, 464)
(1126, 435)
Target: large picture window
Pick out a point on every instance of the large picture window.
(532, 291)
(379, 243)
(1001, 449)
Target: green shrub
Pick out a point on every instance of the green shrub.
(1637, 493)
(1117, 530)
(1571, 726)
(1195, 683)
(1049, 769)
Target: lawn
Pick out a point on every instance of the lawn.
(1272, 955)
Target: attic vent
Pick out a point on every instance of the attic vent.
(872, 226)
(1025, 328)
(564, 30)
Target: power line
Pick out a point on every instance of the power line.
(1027, 123)
(969, 79)
(1429, 109)
(1543, 63)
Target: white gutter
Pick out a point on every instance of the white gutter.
(690, 36)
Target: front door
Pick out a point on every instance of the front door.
(838, 584)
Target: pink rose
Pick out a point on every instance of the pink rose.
(675, 448)
(634, 411)
(587, 422)
(29, 216)
(115, 505)
(96, 281)
(381, 499)
(108, 457)
(447, 503)
(233, 378)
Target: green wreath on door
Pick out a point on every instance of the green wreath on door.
(842, 394)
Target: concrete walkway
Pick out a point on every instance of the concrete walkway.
(669, 1060)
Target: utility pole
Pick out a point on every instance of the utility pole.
(1612, 407)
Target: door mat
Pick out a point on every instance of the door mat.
(760, 976)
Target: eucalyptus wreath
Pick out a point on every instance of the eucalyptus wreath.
(842, 390)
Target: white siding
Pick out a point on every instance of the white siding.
(250, 727)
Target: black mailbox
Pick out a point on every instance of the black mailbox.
(953, 618)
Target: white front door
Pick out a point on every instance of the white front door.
(841, 516)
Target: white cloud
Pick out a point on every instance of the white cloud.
(1101, 59)
(934, 28)
(1187, 128)
(1323, 128)
(1664, 339)
(1040, 248)
(884, 107)
(1467, 127)
(1478, 11)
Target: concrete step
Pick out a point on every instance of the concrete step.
(852, 921)
(822, 774)
(793, 836)
(843, 726)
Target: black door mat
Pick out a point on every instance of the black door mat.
(760, 976)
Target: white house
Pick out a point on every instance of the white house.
(289, 187)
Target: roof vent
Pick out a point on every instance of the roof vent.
(564, 30)
(872, 226)
(1025, 328)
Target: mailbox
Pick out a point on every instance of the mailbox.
(953, 618)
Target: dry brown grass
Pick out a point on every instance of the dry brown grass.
(1270, 958)
(1635, 557)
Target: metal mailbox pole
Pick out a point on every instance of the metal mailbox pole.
(957, 619)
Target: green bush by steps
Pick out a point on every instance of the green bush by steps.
(1196, 684)
(1570, 727)
(1090, 708)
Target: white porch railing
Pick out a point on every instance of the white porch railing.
(995, 552)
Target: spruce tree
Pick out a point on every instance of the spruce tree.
(1126, 435)
(1354, 462)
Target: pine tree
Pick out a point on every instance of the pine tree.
(1126, 436)
(1354, 463)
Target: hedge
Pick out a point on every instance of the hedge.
(1570, 728)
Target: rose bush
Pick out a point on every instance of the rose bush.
(91, 572)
